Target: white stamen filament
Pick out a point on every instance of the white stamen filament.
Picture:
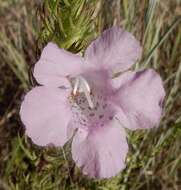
(76, 86)
(87, 95)
(81, 85)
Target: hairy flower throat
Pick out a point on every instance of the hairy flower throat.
(82, 86)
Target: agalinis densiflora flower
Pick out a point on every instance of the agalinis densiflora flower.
(81, 99)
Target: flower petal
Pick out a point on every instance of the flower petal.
(116, 49)
(55, 64)
(45, 113)
(100, 153)
(139, 97)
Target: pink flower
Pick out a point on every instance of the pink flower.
(79, 97)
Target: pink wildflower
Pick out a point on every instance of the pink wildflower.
(81, 93)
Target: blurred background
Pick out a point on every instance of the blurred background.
(154, 160)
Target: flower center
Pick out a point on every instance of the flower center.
(82, 86)
(89, 104)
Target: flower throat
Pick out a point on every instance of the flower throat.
(82, 86)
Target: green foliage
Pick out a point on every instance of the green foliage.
(67, 23)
